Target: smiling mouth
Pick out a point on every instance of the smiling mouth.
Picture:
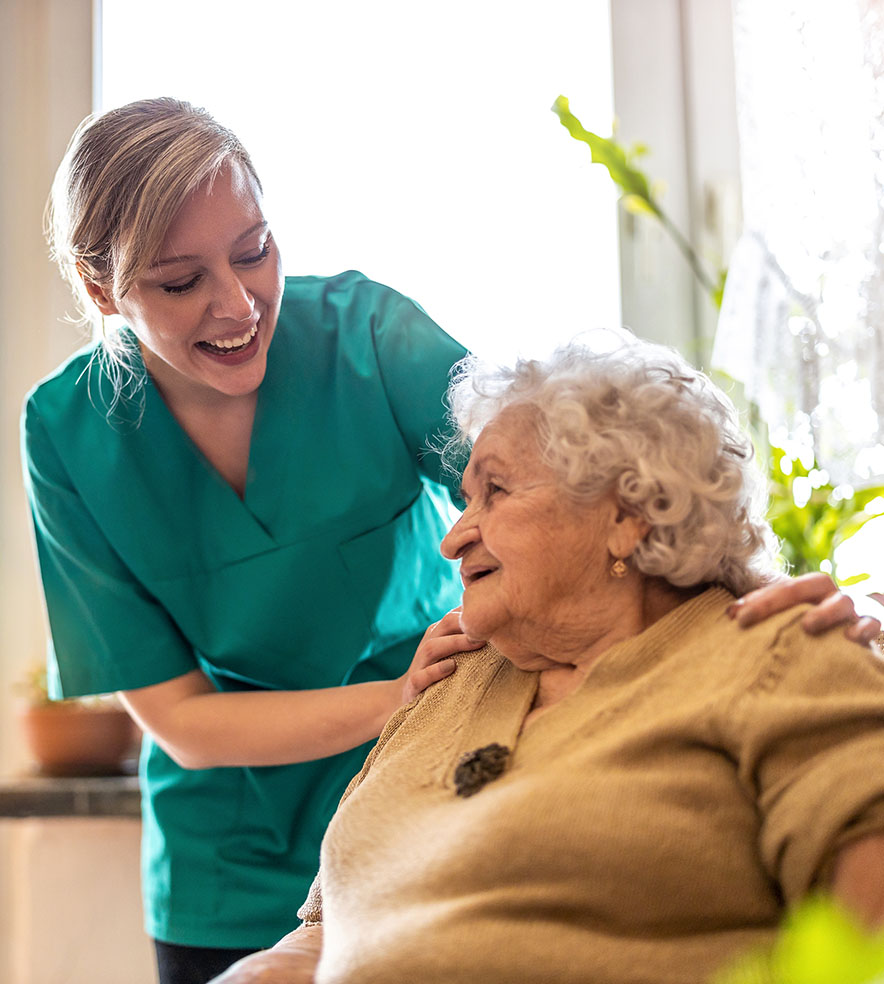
(229, 346)
(476, 576)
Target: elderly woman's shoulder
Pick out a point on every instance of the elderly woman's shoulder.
(475, 670)
(700, 640)
(475, 666)
(777, 650)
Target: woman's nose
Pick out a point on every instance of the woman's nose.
(232, 301)
(464, 533)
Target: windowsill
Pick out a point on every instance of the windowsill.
(93, 796)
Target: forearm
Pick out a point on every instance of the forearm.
(203, 728)
(206, 728)
(292, 961)
(858, 879)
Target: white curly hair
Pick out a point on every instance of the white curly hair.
(642, 421)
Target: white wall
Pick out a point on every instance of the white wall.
(45, 90)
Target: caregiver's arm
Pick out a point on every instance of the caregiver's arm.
(831, 606)
(858, 879)
(201, 727)
(292, 960)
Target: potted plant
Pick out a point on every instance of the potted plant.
(89, 736)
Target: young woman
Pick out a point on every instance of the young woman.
(236, 520)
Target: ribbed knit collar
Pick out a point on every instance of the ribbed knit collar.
(633, 656)
(508, 692)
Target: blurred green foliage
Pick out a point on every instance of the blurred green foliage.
(812, 517)
(819, 943)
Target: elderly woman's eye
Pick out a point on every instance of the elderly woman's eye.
(493, 488)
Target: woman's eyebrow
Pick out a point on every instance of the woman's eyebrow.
(189, 258)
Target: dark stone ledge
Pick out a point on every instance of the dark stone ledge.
(38, 796)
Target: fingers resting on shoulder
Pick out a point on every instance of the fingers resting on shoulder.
(433, 657)
(831, 606)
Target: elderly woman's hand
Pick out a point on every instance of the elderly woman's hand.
(831, 606)
(432, 659)
(292, 960)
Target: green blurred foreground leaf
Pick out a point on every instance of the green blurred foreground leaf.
(819, 943)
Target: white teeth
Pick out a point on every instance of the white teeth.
(229, 343)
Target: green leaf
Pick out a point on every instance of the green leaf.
(636, 205)
(607, 152)
(846, 582)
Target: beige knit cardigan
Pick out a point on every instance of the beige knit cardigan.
(647, 828)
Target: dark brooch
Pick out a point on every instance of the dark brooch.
(479, 767)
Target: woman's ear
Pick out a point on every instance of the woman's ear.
(626, 532)
(100, 297)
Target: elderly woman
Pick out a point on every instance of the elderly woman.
(622, 787)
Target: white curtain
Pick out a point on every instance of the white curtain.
(802, 321)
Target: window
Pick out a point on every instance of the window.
(411, 141)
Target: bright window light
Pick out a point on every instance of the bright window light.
(411, 141)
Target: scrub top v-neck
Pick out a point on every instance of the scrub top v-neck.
(327, 571)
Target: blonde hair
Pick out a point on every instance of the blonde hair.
(639, 420)
(119, 186)
(122, 180)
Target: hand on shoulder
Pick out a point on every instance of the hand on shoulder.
(831, 606)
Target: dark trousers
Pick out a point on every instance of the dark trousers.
(193, 964)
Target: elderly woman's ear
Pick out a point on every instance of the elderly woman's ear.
(626, 532)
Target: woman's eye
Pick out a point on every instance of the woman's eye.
(493, 488)
(262, 255)
(182, 288)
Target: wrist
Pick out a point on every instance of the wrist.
(393, 697)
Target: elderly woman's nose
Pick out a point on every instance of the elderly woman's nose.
(459, 537)
(232, 301)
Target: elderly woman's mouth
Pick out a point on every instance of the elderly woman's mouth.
(471, 575)
(223, 346)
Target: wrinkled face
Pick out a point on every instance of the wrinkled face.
(206, 312)
(531, 557)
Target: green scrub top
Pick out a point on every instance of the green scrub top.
(327, 572)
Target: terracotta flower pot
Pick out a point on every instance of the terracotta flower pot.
(69, 738)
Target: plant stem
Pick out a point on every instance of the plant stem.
(687, 251)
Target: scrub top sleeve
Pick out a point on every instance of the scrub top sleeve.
(415, 358)
(107, 632)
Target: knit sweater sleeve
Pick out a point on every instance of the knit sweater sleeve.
(310, 912)
(808, 731)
